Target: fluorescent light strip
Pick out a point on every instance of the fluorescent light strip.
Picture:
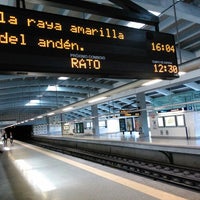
(52, 88)
(33, 102)
(135, 25)
(40, 117)
(151, 82)
(181, 73)
(63, 78)
(138, 25)
(52, 113)
(67, 108)
(97, 99)
(154, 13)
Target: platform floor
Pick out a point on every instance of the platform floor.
(135, 138)
(33, 173)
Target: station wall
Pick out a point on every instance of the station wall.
(178, 124)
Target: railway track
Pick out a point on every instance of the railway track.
(178, 175)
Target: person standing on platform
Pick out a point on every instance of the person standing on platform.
(11, 138)
(5, 137)
(2, 138)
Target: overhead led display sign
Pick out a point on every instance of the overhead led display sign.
(32, 41)
(129, 113)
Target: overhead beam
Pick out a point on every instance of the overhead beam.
(129, 6)
(102, 10)
(41, 91)
(148, 99)
(165, 92)
(184, 10)
(20, 3)
(193, 86)
(38, 7)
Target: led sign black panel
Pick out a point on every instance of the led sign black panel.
(33, 41)
(129, 113)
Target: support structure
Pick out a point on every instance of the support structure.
(95, 119)
(144, 130)
(125, 10)
(20, 2)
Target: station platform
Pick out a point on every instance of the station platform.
(135, 138)
(31, 173)
(179, 145)
(184, 152)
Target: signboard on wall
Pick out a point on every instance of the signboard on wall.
(122, 125)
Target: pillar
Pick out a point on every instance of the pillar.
(48, 125)
(95, 119)
(143, 117)
(61, 123)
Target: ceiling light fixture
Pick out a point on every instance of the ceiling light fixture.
(138, 25)
(33, 102)
(135, 25)
(181, 73)
(67, 108)
(52, 88)
(52, 113)
(39, 117)
(151, 82)
(97, 99)
(63, 78)
(154, 12)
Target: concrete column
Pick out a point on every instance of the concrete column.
(143, 117)
(48, 128)
(95, 120)
(62, 123)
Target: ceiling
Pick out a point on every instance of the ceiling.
(181, 18)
